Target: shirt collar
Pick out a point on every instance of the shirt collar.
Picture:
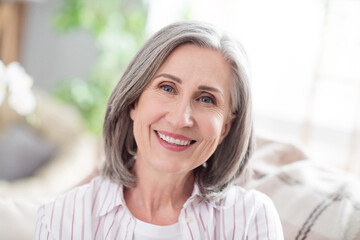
(115, 197)
(228, 200)
(111, 198)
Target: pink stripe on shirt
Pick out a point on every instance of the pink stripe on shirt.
(187, 221)
(117, 210)
(244, 218)
(41, 225)
(96, 194)
(52, 214)
(117, 231)
(102, 206)
(223, 219)
(202, 222)
(83, 217)
(196, 217)
(234, 223)
(40, 230)
(256, 220)
(267, 222)
(73, 217)
(215, 220)
(127, 228)
(62, 217)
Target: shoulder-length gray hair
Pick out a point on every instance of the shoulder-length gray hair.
(230, 159)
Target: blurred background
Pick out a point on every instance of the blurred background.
(304, 56)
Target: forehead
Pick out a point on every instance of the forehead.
(199, 65)
(198, 58)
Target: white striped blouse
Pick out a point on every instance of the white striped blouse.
(98, 211)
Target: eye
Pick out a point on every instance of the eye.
(207, 99)
(167, 88)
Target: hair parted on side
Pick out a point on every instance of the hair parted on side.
(230, 159)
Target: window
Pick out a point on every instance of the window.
(305, 58)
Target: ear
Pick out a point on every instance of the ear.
(133, 111)
(227, 127)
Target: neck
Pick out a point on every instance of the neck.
(158, 198)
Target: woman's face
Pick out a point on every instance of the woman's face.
(184, 113)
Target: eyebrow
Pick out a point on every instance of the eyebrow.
(201, 87)
(176, 79)
(212, 89)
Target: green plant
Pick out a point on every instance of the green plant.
(118, 30)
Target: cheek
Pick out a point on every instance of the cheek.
(211, 126)
(146, 114)
(210, 132)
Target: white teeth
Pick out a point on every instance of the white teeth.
(172, 140)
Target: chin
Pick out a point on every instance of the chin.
(166, 166)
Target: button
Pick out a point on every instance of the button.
(189, 219)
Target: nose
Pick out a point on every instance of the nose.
(181, 115)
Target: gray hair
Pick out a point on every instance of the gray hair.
(230, 159)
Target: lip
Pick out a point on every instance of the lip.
(172, 147)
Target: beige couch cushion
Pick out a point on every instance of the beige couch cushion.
(314, 201)
(76, 158)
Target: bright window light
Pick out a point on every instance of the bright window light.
(305, 62)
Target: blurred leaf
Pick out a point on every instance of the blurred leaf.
(118, 30)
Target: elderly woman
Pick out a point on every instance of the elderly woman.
(178, 134)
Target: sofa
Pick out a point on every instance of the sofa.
(73, 154)
(315, 201)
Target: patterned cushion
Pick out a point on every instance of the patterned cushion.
(314, 201)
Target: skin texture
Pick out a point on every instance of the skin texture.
(188, 99)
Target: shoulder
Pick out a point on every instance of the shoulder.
(252, 199)
(256, 199)
(82, 202)
(248, 202)
(255, 210)
(82, 193)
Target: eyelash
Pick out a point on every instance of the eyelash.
(172, 90)
(209, 98)
(163, 86)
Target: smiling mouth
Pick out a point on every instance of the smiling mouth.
(174, 141)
